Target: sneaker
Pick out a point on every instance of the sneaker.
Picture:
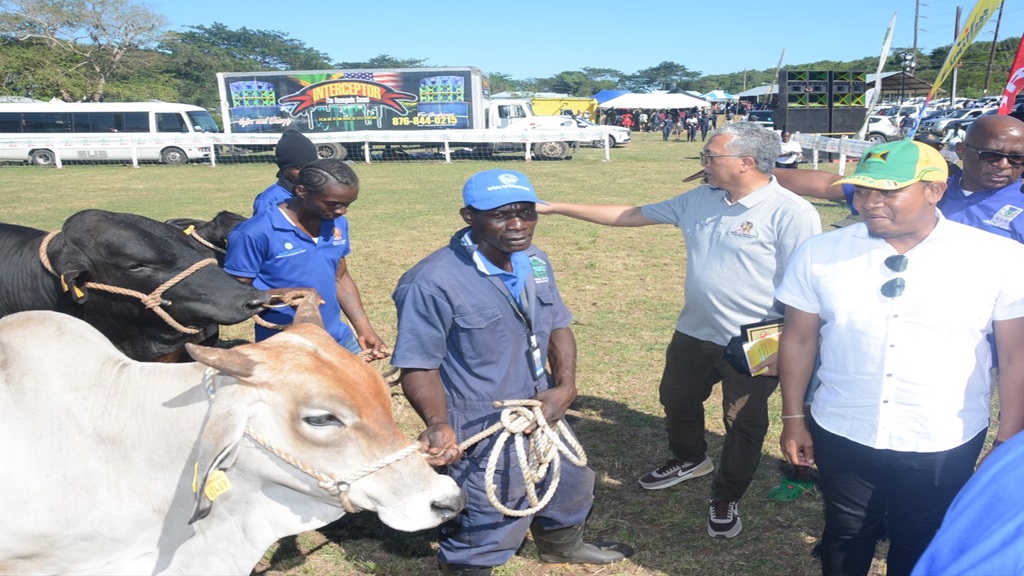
(724, 519)
(675, 471)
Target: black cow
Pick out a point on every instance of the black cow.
(211, 232)
(126, 251)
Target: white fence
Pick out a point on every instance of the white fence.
(844, 146)
(209, 146)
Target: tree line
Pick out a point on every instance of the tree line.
(121, 50)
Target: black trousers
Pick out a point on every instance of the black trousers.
(692, 368)
(867, 488)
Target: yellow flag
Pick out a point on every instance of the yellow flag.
(980, 16)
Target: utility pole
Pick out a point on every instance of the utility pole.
(992, 54)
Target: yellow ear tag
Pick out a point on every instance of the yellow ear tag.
(217, 484)
(191, 228)
(63, 283)
(78, 292)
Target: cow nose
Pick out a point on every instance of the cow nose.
(258, 303)
(449, 506)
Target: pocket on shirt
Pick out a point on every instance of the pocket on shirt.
(481, 335)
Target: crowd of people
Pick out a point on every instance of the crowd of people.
(885, 384)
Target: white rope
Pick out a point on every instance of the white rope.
(547, 446)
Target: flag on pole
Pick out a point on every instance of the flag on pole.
(878, 77)
(977, 19)
(1015, 82)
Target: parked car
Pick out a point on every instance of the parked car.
(880, 130)
(963, 123)
(617, 135)
(765, 118)
(938, 124)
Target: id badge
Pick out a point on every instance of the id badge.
(536, 362)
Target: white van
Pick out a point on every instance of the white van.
(44, 133)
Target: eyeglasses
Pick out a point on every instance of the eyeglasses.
(993, 157)
(706, 158)
(894, 288)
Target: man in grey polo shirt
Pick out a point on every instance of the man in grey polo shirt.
(740, 230)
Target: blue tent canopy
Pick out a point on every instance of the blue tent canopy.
(606, 95)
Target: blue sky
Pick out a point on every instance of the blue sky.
(535, 39)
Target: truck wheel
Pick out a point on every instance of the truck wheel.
(42, 157)
(173, 155)
(331, 150)
(550, 150)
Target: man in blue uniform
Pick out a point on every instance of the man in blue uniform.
(476, 321)
(293, 151)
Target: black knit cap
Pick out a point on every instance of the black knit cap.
(294, 149)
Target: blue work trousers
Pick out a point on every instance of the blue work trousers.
(481, 535)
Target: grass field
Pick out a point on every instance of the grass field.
(624, 287)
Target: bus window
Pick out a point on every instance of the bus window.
(170, 122)
(10, 122)
(136, 121)
(94, 122)
(46, 122)
(202, 122)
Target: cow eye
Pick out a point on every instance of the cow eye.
(135, 267)
(322, 420)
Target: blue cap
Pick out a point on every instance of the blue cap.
(490, 189)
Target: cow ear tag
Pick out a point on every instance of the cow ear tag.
(191, 228)
(78, 292)
(215, 486)
(63, 283)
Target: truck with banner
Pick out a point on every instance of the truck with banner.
(346, 112)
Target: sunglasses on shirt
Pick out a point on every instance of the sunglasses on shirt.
(993, 157)
(894, 288)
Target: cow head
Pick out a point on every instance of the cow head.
(326, 408)
(207, 233)
(132, 252)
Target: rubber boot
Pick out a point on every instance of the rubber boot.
(463, 570)
(566, 546)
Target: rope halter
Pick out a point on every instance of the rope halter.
(339, 488)
(191, 231)
(547, 446)
(152, 301)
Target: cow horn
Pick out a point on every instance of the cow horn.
(307, 307)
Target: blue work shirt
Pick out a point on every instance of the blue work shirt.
(274, 194)
(456, 318)
(276, 254)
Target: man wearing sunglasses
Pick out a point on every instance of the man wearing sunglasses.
(902, 304)
(986, 195)
(739, 230)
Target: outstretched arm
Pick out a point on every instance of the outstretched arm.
(813, 183)
(606, 214)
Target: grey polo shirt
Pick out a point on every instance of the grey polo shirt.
(735, 254)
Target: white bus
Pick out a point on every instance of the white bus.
(47, 133)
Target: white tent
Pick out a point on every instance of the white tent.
(719, 96)
(654, 101)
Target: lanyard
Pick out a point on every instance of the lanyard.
(522, 311)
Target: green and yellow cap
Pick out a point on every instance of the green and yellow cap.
(897, 164)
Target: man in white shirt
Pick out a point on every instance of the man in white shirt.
(902, 303)
(792, 152)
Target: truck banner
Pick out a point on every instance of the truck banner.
(347, 101)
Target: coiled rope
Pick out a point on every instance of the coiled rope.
(547, 447)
